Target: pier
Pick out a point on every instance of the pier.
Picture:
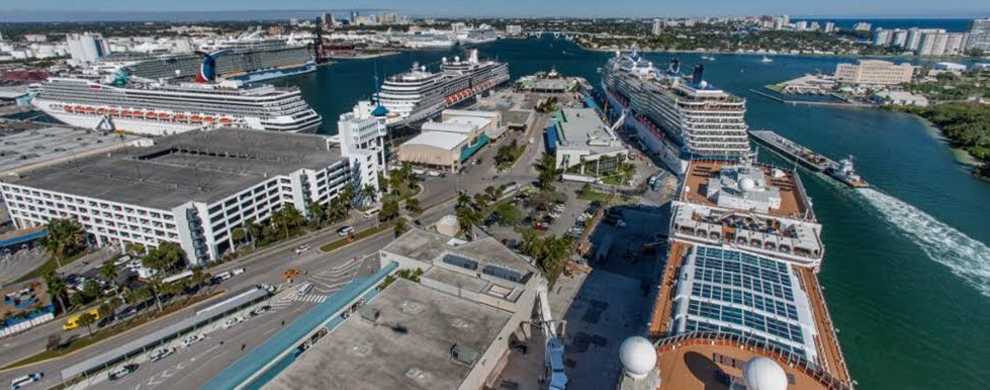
(842, 171)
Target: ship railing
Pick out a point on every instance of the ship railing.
(781, 355)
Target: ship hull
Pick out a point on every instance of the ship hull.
(657, 146)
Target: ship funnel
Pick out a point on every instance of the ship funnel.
(697, 76)
(457, 58)
(473, 56)
(208, 69)
(675, 66)
(443, 60)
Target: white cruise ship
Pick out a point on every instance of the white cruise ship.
(677, 118)
(419, 94)
(167, 108)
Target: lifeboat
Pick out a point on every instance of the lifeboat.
(69, 108)
(226, 120)
(181, 118)
(89, 110)
(209, 119)
(164, 116)
(114, 112)
(101, 111)
(150, 115)
(196, 118)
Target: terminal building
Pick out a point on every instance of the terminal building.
(191, 189)
(362, 133)
(578, 138)
(449, 143)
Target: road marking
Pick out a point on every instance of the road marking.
(269, 331)
(204, 353)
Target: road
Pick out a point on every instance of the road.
(265, 266)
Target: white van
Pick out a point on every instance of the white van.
(25, 380)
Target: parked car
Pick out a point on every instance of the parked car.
(302, 249)
(122, 371)
(188, 341)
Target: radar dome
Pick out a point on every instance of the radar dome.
(638, 356)
(747, 184)
(763, 373)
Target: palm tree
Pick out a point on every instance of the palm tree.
(87, 319)
(337, 210)
(286, 219)
(466, 218)
(548, 172)
(108, 270)
(238, 235)
(134, 248)
(369, 192)
(254, 229)
(65, 238)
(390, 208)
(412, 205)
(56, 287)
(400, 226)
(163, 259)
(316, 213)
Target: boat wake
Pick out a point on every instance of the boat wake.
(967, 258)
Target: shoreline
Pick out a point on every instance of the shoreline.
(755, 53)
(364, 56)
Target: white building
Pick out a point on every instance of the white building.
(581, 137)
(513, 29)
(362, 135)
(933, 44)
(979, 35)
(900, 98)
(829, 27)
(900, 38)
(882, 37)
(657, 26)
(448, 144)
(873, 73)
(86, 47)
(192, 189)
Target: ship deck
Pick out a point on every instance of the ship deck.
(792, 202)
(694, 361)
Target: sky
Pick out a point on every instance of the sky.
(539, 8)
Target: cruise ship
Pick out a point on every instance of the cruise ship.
(677, 118)
(151, 108)
(739, 305)
(419, 94)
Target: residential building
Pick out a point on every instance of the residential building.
(955, 44)
(900, 38)
(933, 44)
(882, 37)
(862, 26)
(874, 73)
(829, 27)
(979, 35)
(657, 26)
(801, 25)
(192, 189)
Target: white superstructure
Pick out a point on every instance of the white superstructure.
(166, 108)
(677, 118)
(419, 94)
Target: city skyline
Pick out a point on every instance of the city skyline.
(60, 9)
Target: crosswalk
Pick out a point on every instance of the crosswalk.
(312, 298)
(324, 283)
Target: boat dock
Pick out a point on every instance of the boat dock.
(842, 171)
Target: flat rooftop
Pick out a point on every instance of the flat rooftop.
(582, 128)
(203, 166)
(22, 148)
(408, 346)
(793, 203)
(427, 246)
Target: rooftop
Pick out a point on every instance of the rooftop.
(582, 128)
(203, 166)
(403, 339)
(428, 247)
(438, 139)
(23, 148)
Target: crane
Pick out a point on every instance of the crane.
(553, 359)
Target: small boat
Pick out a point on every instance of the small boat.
(708, 58)
(766, 60)
(845, 172)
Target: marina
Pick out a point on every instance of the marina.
(842, 170)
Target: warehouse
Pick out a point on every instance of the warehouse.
(448, 144)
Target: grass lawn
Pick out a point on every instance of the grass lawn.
(356, 237)
(595, 195)
(48, 265)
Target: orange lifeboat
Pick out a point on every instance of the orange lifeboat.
(209, 119)
(69, 108)
(89, 110)
(196, 118)
(149, 115)
(226, 120)
(101, 111)
(181, 118)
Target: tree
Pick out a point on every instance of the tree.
(337, 210)
(54, 341)
(508, 214)
(413, 207)
(92, 290)
(254, 229)
(317, 213)
(108, 271)
(369, 192)
(163, 260)
(105, 310)
(56, 288)
(548, 172)
(134, 248)
(401, 226)
(238, 235)
(466, 218)
(390, 209)
(65, 238)
(286, 219)
(87, 319)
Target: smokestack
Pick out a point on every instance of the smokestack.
(699, 72)
(474, 56)
(675, 66)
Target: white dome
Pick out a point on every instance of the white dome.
(763, 373)
(747, 184)
(638, 356)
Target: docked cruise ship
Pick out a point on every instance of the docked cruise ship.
(169, 108)
(419, 94)
(677, 118)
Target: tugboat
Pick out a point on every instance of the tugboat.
(844, 172)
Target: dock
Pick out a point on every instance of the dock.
(841, 171)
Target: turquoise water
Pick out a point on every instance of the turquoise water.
(907, 270)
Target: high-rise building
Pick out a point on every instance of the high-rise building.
(955, 44)
(814, 26)
(801, 25)
(362, 140)
(657, 26)
(933, 44)
(829, 27)
(979, 35)
(882, 37)
(862, 26)
(900, 38)
(86, 47)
